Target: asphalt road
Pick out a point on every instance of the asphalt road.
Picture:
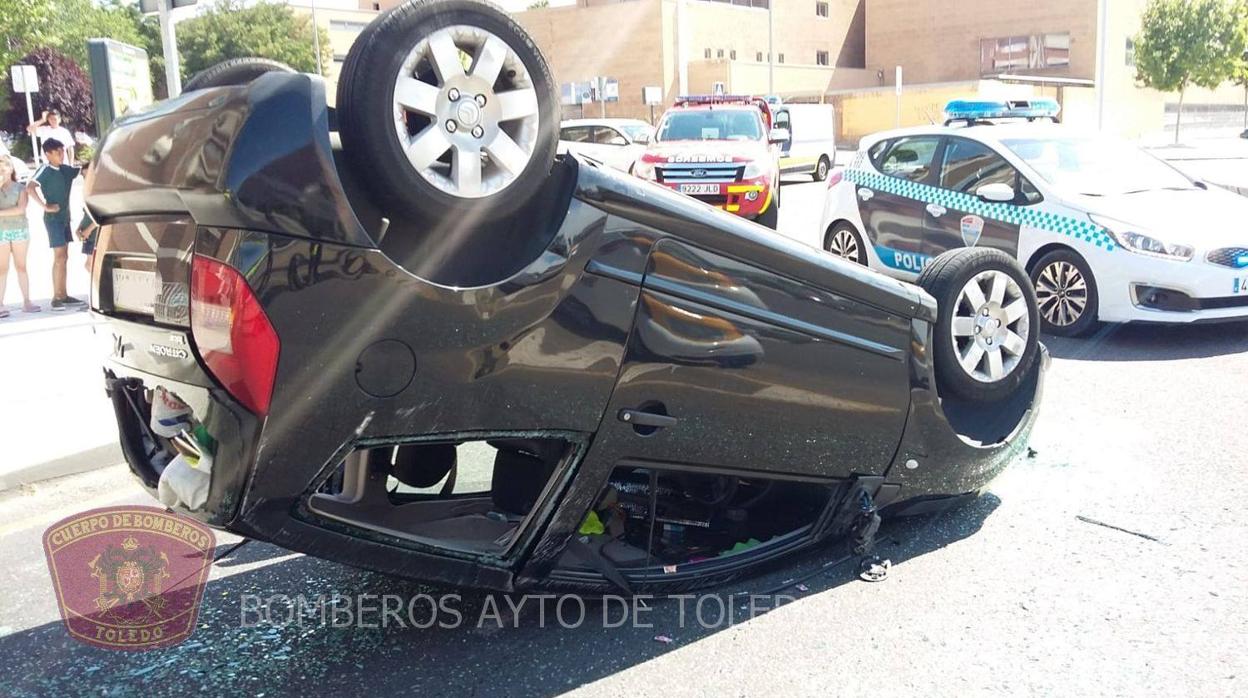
(1141, 428)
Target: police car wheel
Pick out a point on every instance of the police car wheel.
(985, 339)
(236, 71)
(845, 242)
(448, 109)
(1066, 293)
(821, 170)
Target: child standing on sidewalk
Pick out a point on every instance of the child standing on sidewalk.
(14, 235)
(50, 187)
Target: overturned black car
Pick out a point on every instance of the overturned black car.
(410, 338)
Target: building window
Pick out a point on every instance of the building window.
(1130, 52)
(821, 9)
(760, 4)
(719, 53)
(758, 57)
(732, 55)
(779, 57)
(1021, 53)
(706, 53)
(821, 57)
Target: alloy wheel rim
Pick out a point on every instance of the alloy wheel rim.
(990, 326)
(464, 92)
(1062, 293)
(844, 245)
(823, 170)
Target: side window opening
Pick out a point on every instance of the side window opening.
(876, 151)
(910, 158)
(969, 165)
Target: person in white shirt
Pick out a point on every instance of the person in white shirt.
(50, 127)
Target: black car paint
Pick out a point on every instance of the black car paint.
(786, 360)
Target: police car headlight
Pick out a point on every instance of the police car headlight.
(644, 169)
(754, 169)
(1131, 238)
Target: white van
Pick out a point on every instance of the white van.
(811, 148)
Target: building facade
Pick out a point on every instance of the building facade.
(844, 51)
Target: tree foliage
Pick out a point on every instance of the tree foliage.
(232, 29)
(63, 85)
(1190, 42)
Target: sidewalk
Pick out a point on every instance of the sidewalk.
(1222, 160)
(55, 416)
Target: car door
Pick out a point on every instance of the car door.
(957, 217)
(612, 147)
(579, 140)
(732, 365)
(891, 203)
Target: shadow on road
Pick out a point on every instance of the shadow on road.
(1153, 342)
(541, 650)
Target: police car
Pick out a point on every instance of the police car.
(1106, 231)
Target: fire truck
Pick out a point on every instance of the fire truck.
(722, 150)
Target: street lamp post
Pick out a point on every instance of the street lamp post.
(771, 50)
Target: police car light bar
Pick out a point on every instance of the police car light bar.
(969, 110)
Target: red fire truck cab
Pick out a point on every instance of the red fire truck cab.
(722, 150)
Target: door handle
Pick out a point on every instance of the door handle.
(865, 194)
(936, 210)
(638, 418)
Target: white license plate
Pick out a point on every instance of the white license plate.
(696, 189)
(134, 290)
(1239, 285)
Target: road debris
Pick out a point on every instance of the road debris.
(1137, 534)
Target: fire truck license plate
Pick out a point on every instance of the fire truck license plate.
(696, 189)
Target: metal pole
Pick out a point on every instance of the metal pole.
(771, 51)
(169, 44)
(30, 119)
(1102, 59)
(316, 40)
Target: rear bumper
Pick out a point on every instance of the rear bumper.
(132, 371)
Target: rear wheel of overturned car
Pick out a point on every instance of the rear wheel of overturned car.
(236, 71)
(448, 109)
(845, 242)
(1066, 293)
(985, 340)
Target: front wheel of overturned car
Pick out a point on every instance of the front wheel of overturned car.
(985, 339)
(449, 110)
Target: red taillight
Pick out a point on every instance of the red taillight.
(232, 333)
(834, 178)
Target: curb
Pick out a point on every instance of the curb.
(73, 464)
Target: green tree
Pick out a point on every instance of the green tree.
(76, 21)
(231, 29)
(1189, 42)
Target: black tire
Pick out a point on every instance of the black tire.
(236, 71)
(844, 227)
(821, 169)
(367, 110)
(1050, 314)
(771, 217)
(945, 278)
